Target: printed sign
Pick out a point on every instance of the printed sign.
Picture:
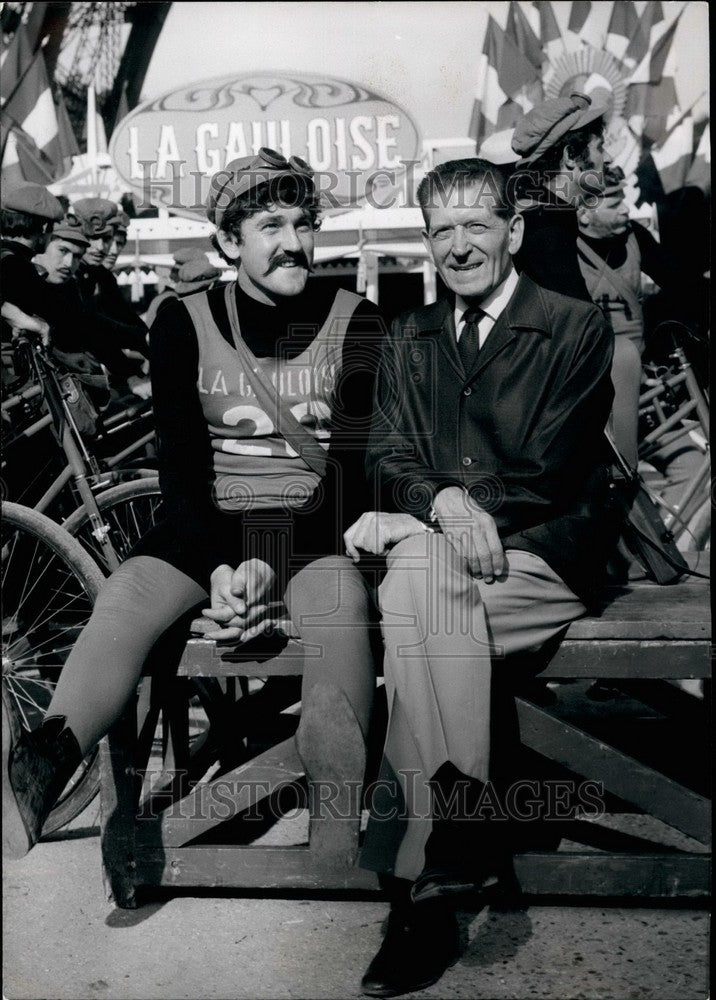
(167, 149)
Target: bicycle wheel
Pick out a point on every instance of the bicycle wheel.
(49, 585)
(129, 510)
(697, 536)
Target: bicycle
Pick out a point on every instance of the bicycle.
(674, 412)
(36, 402)
(49, 578)
(107, 513)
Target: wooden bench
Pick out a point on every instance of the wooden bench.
(644, 639)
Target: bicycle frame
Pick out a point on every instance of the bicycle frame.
(674, 426)
(82, 469)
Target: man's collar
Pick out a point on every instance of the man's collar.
(494, 303)
(18, 247)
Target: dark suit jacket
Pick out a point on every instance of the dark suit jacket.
(522, 431)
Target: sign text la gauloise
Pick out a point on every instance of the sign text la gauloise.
(167, 149)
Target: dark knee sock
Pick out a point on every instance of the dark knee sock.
(135, 606)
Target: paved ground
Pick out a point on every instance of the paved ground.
(62, 940)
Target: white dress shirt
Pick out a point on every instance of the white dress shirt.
(492, 306)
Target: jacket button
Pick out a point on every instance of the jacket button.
(467, 391)
(467, 461)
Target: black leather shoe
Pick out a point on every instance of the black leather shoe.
(441, 883)
(419, 945)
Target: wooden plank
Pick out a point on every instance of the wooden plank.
(656, 876)
(203, 658)
(649, 612)
(574, 658)
(629, 779)
(246, 868)
(634, 659)
(213, 803)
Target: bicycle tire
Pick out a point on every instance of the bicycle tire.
(128, 509)
(49, 586)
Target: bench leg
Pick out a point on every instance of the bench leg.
(332, 749)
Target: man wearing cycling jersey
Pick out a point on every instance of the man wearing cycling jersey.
(249, 516)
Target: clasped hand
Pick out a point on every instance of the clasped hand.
(240, 600)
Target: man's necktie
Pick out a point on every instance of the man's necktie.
(469, 342)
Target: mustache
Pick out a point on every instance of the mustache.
(298, 258)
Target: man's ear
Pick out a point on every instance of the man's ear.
(568, 161)
(428, 244)
(584, 217)
(516, 227)
(229, 244)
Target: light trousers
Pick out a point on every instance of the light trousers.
(444, 632)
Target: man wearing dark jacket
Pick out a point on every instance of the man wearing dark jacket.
(486, 462)
(28, 212)
(98, 287)
(78, 333)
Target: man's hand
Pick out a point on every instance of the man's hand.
(239, 600)
(471, 531)
(21, 321)
(141, 387)
(376, 531)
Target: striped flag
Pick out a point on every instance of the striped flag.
(640, 42)
(549, 30)
(37, 144)
(578, 15)
(587, 25)
(505, 76)
(519, 30)
(623, 24)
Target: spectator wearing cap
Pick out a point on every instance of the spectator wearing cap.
(613, 253)
(98, 287)
(196, 275)
(120, 223)
(66, 245)
(561, 169)
(78, 336)
(248, 517)
(27, 211)
(561, 148)
(183, 256)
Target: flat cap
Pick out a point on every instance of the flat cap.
(33, 199)
(241, 176)
(196, 274)
(548, 122)
(68, 229)
(95, 216)
(184, 254)
(120, 220)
